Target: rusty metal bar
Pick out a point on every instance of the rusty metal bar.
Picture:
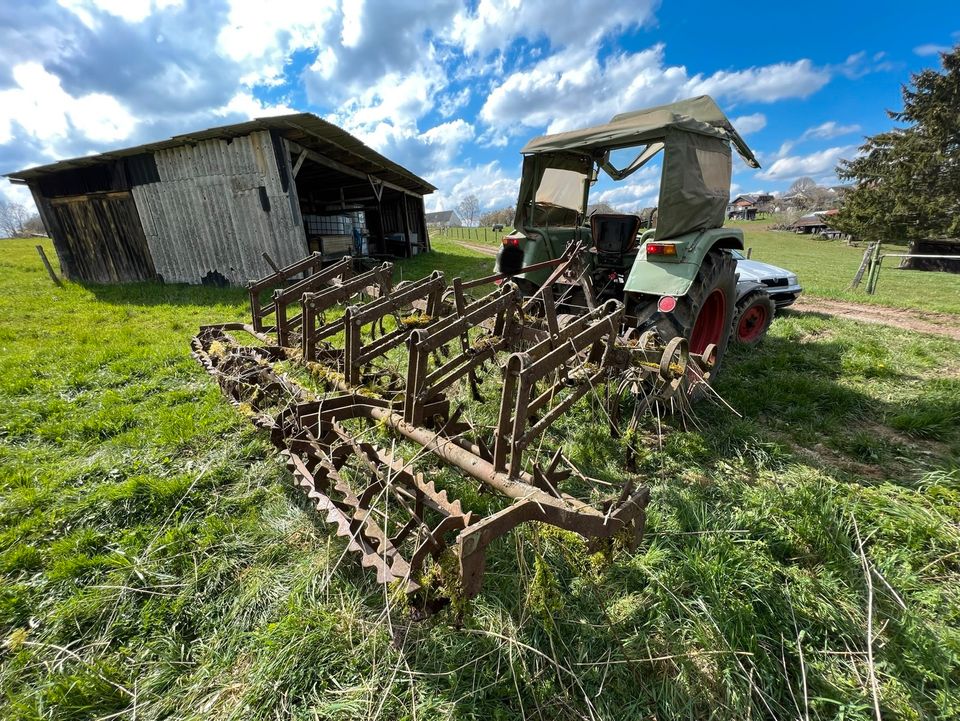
(314, 304)
(283, 298)
(257, 311)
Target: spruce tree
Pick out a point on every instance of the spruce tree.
(908, 179)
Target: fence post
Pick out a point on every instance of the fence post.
(874, 275)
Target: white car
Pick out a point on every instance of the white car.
(782, 285)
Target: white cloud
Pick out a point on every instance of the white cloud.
(629, 196)
(816, 163)
(448, 137)
(928, 49)
(829, 129)
(543, 94)
(496, 23)
(352, 23)
(824, 131)
(262, 37)
(450, 103)
(132, 11)
(43, 109)
(16, 194)
(247, 106)
(765, 84)
(492, 186)
(746, 124)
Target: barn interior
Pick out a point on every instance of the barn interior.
(340, 207)
(352, 197)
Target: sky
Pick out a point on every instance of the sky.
(452, 89)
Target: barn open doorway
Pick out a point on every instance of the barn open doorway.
(346, 211)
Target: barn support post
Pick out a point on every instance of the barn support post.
(46, 264)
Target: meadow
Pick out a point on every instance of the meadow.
(826, 267)
(801, 560)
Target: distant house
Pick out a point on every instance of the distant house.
(445, 219)
(816, 223)
(811, 224)
(743, 207)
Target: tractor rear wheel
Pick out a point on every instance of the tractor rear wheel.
(754, 315)
(704, 316)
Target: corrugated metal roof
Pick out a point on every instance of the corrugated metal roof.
(304, 128)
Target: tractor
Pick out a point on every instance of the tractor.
(677, 278)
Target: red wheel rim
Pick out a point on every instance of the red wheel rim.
(752, 323)
(710, 322)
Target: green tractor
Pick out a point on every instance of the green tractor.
(677, 278)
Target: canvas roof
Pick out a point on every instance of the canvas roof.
(700, 115)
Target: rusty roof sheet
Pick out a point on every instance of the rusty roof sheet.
(304, 128)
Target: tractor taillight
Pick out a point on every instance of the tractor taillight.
(666, 304)
(510, 241)
(662, 249)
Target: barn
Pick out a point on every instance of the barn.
(205, 207)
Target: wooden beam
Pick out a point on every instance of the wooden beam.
(345, 169)
(46, 264)
(300, 159)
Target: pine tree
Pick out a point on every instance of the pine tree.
(908, 179)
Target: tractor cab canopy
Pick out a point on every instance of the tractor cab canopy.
(694, 136)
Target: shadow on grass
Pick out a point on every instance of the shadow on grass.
(811, 392)
(153, 293)
(454, 265)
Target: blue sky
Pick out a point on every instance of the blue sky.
(453, 89)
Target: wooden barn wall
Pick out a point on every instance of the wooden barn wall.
(98, 237)
(218, 206)
(393, 208)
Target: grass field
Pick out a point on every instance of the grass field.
(825, 268)
(154, 564)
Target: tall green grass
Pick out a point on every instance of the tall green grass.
(155, 564)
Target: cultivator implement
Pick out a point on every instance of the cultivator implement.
(401, 381)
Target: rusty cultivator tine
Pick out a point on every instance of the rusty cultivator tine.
(393, 360)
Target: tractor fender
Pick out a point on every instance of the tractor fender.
(674, 277)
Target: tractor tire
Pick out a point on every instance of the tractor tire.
(753, 317)
(704, 316)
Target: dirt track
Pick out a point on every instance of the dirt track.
(488, 249)
(943, 324)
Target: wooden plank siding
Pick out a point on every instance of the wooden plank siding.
(103, 238)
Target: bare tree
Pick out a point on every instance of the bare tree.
(503, 216)
(34, 225)
(469, 209)
(13, 217)
(801, 185)
(803, 194)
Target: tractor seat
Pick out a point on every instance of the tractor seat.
(614, 235)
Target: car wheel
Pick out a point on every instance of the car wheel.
(753, 317)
